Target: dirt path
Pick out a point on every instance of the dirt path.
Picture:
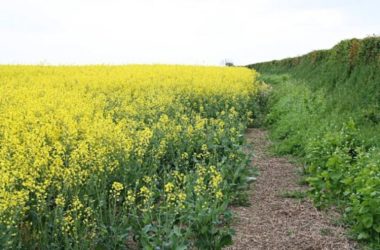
(275, 221)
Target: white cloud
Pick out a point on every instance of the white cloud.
(169, 31)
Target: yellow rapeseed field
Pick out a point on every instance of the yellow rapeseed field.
(95, 156)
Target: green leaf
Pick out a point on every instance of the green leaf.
(225, 240)
(363, 236)
(180, 247)
(377, 228)
(176, 231)
(367, 220)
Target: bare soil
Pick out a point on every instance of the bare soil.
(277, 220)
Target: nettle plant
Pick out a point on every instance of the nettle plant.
(342, 170)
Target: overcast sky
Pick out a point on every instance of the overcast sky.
(177, 31)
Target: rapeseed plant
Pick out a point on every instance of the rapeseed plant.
(95, 154)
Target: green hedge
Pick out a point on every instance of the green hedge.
(325, 108)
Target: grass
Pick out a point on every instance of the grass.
(294, 194)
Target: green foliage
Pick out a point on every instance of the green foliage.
(286, 109)
(325, 108)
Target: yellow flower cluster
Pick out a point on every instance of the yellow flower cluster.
(117, 187)
(63, 129)
(208, 180)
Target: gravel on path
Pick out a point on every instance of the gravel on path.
(274, 220)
